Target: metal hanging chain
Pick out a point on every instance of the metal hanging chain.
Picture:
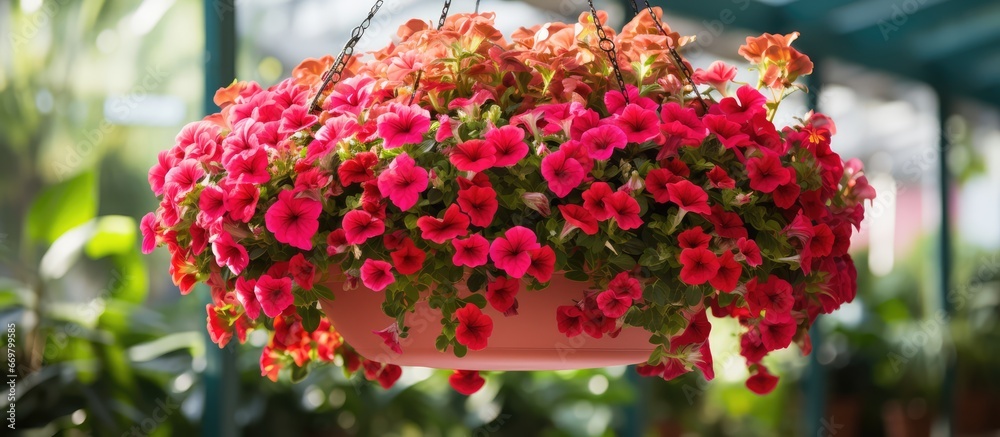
(444, 13)
(635, 7)
(685, 71)
(416, 86)
(333, 74)
(608, 46)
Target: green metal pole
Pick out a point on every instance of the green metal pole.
(815, 383)
(945, 261)
(221, 375)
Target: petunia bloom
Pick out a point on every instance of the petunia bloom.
(229, 253)
(390, 337)
(408, 259)
(274, 294)
(501, 292)
(595, 198)
(245, 294)
(638, 124)
(508, 143)
(543, 262)
(762, 382)
(698, 265)
(474, 328)
(376, 274)
(512, 252)
(403, 182)
(689, 197)
(625, 209)
(440, 230)
(403, 125)
(466, 382)
(357, 169)
(562, 172)
(303, 272)
(766, 172)
(577, 217)
(293, 221)
(479, 203)
(602, 141)
(569, 320)
(470, 252)
(359, 226)
(473, 155)
(612, 304)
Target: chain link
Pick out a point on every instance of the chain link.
(444, 13)
(608, 46)
(333, 74)
(685, 71)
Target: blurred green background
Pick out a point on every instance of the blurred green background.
(91, 90)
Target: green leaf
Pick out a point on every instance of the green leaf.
(576, 275)
(477, 300)
(657, 293)
(476, 281)
(299, 373)
(115, 235)
(441, 344)
(323, 292)
(693, 296)
(62, 207)
(310, 317)
(623, 261)
(461, 350)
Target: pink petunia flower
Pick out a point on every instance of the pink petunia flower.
(403, 182)
(501, 293)
(211, 205)
(718, 178)
(245, 294)
(562, 173)
(408, 259)
(248, 167)
(543, 263)
(303, 272)
(508, 142)
(512, 252)
(148, 226)
(390, 336)
(274, 294)
(612, 304)
(577, 217)
(357, 169)
(624, 284)
(569, 320)
(294, 119)
(229, 253)
(718, 75)
(376, 274)
(241, 202)
(359, 226)
(293, 220)
(350, 96)
(657, 181)
(603, 140)
(766, 172)
(181, 179)
(403, 125)
(470, 252)
(638, 124)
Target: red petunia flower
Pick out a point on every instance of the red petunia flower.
(508, 142)
(625, 209)
(766, 172)
(359, 226)
(274, 294)
(453, 224)
(473, 155)
(697, 330)
(357, 169)
(698, 266)
(718, 75)
(594, 199)
(822, 241)
(512, 252)
(727, 132)
(577, 217)
(786, 194)
(727, 224)
(689, 197)
(543, 263)
(747, 103)
(693, 238)
(750, 251)
(612, 305)
(470, 252)
(408, 259)
(293, 221)
(474, 328)
(302, 271)
(762, 382)
(624, 284)
(376, 274)
(681, 126)
(562, 173)
(466, 382)
(501, 292)
(569, 320)
(751, 346)
(777, 330)
(718, 178)
(729, 273)
(479, 203)
(772, 295)
(657, 181)
(336, 242)
(390, 336)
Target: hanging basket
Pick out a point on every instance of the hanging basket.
(529, 340)
(455, 173)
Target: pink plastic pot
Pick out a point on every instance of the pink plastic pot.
(527, 341)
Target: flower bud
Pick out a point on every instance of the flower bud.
(537, 202)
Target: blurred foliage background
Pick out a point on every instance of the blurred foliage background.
(90, 90)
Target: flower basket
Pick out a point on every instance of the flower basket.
(568, 196)
(530, 341)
